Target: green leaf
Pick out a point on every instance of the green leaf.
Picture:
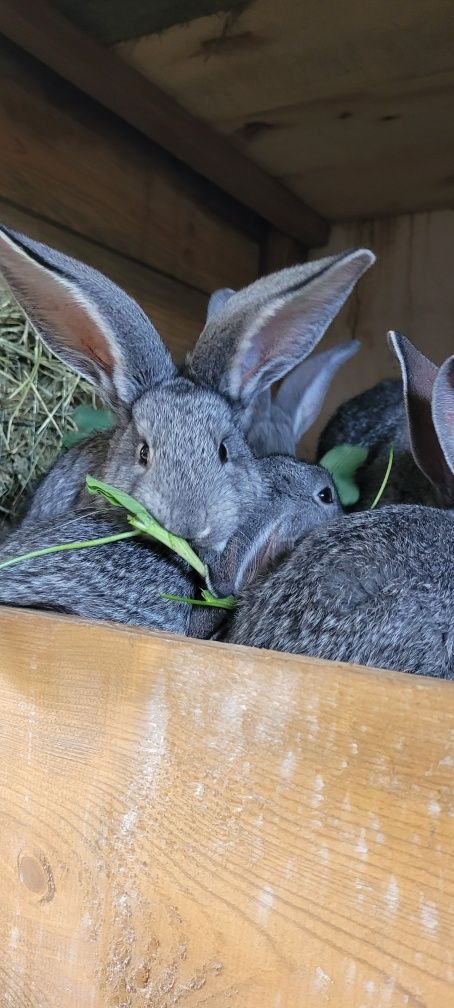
(342, 462)
(119, 498)
(88, 420)
(140, 519)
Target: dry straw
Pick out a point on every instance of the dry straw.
(37, 397)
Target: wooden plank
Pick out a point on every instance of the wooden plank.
(348, 111)
(177, 311)
(193, 824)
(409, 289)
(113, 20)
(44, 32)
(278, 251)
(65, 159)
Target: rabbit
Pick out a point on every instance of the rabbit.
(168, 416)
(375, 587)
(278, 423)
(376, 419)
(124, 581)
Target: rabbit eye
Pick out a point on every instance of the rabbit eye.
(144, 453)
(326, 495)
(223, 453)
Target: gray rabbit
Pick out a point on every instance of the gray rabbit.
(165, 418)
(124, 581)
(376, 419)
(377, 587)
(179, 446)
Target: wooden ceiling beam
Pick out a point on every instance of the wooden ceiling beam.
(41, 30)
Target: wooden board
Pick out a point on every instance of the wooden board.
(346, 105)
(98, 72)
(177, 311)
(196, 825)
(409, 288)
(65, 159)
(112, 20)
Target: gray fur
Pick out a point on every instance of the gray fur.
(120, 581)
(186, 484)
(266, 329)
(376, 588)
(124, 581)
(142, 359)
(278, 424)
(291, 503)
(392, 413)
(250, 335)
(59, 490)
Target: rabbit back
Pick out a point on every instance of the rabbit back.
(331, 599)
(370, 418)
(63, 487)
(122, 581)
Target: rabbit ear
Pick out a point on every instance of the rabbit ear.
(301, 394)
(443, 409)
(265, 330)
(218, 299)
(85, 319)
(260, 429)
(418, 376)
(249, 552)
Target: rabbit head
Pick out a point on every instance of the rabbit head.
(429, 406)
(299, 497)
(179, 446)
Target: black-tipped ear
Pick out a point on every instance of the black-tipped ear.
(418, 377)
(85, 319)
(443, 409)
(265, 330)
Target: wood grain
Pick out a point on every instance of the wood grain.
(116, 20)
(67, 160)
(278, 251)
(409, 289)
(177, 311)
(347, 106)
(192, 824)
(42, 31)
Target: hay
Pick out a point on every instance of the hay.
(37, 397)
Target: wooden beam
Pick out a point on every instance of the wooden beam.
(50, 37)
(116, 20)
(177, 310)
(191, 824)
(279, 250)
(70, 161)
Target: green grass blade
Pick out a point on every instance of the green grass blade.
(385, 479)
(62, 547)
